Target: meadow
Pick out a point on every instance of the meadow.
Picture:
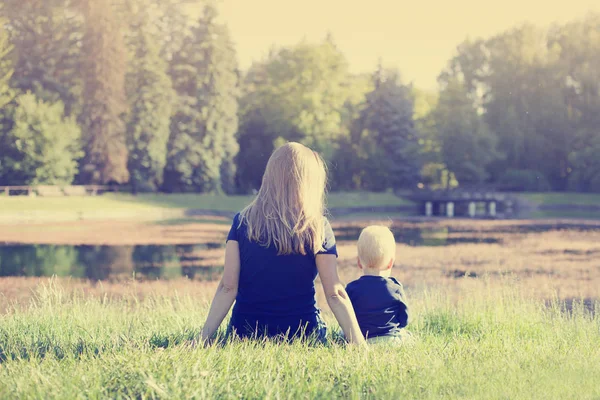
(155, 205)
(152, 206)
(491, 341)
(499, 309)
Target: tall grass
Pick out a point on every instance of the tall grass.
(494, 342)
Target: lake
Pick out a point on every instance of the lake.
(203, 261)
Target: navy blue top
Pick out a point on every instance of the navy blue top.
(276, 293)
(379, 305)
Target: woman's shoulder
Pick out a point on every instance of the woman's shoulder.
(236, 225)
(239, 220)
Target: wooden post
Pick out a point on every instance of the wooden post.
(450, 209)
(428, 209)
(492, 209)
(472, 209)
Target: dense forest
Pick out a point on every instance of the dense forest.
(148, 94)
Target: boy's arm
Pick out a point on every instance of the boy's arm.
(402, 315)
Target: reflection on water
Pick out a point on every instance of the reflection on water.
(107, 262)
(204, 261)
(431, 236)
(440, 235)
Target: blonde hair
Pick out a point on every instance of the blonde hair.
(376, 247)
(288, 211)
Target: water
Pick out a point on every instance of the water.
(109, 262)
(202, 261)
(440, 235)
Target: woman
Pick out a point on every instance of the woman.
(275, 248)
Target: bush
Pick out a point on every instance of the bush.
(582, 182)
(42, 145)
(524, 180)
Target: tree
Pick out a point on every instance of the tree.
(525, 107)
(46, 35)
(150, 96)
(6, 67)
(297, 94)
(346, 172)
(202, 144)
(176, 20)
(387, 123)
(434, 172)
(467, 146)
(578, 44)
(42, 145)
(105, 103)
(6, 96)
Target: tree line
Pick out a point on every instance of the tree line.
(148, 93)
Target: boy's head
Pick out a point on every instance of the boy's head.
(376, 249)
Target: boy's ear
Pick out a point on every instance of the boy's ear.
(359, 264)
(390, 264)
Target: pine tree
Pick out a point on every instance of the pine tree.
(150, 97)
(389, 135)
(104, 68)
(202, 143)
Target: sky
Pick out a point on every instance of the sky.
(418, 37)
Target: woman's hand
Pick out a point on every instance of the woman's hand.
(337, 298)
(226, 292)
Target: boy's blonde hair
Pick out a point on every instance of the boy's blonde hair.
(288, 211)
(376, 247)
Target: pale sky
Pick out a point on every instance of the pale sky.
(417, 37)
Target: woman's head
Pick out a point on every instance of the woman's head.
(288, 210)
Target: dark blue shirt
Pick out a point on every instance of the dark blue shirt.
(276, 293)
(379, 305)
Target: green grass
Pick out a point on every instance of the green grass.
(372, 215)
(575, 214)
(493, 345)
(111, 201)
(115, 204)
(364, 199)
(564, 198)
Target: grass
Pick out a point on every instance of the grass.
(124, 205)
(375, 215)
(494, 343)
(173, 206)
(564, 198)
(575, 214)
(499, 332)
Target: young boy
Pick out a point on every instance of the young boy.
(377, 298)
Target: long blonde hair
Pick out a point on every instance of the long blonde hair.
(288, 211)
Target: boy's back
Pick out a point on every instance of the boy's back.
(379, 305)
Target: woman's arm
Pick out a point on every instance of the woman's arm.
(226, 292)
(337, 298)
